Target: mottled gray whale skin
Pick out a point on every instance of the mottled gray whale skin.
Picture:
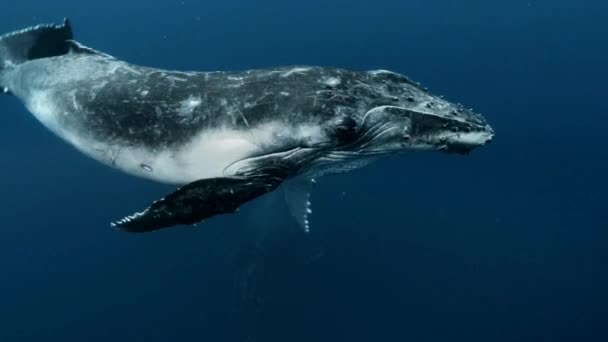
(228, 137)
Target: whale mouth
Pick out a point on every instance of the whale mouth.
(465, 142)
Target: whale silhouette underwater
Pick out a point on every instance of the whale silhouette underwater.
(225, 138)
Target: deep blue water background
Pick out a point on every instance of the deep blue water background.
(507, 244)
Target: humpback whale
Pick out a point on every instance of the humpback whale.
(225, 138)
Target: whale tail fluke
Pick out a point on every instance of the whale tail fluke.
(35, 42)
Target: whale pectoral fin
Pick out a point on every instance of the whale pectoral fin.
(297, 197)
(198, 201)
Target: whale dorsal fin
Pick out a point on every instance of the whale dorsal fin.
(36, 42)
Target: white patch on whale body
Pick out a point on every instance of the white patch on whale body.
(381, 71)
(187, 107)
(294, 71)
(332, 81)
(206, 156)
(210, 153)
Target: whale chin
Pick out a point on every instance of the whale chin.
(464, 143)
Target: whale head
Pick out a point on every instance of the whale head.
(418, 120)
(458, 131)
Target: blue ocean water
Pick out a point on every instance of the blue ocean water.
(507, 244)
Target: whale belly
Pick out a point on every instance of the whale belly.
(208, 155)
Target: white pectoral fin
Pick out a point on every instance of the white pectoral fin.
(297, 196)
